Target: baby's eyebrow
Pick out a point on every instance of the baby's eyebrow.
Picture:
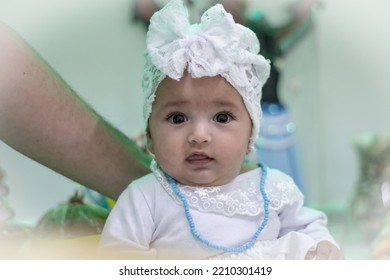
(176, 103)
(183, 102)
(225, 103)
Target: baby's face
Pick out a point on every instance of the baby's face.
(199, 130)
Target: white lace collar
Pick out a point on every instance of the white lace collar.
(241, 196)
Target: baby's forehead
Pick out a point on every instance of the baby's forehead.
(189, 83)
(206, 91)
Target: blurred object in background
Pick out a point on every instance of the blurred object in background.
(71, 219)
(143, 10)
(13, 237)
(381, 244)
(367, 208)
(5, 211)
(276, 145)
(70, 230)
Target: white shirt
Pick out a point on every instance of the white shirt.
(148, 220)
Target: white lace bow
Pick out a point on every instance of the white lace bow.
(215, 46)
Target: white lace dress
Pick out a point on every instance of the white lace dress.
(148, 220)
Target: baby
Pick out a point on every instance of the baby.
(202, 86)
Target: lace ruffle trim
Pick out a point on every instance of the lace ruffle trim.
(242, 196)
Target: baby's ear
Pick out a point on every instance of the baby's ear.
(149, 142)
(149, 147)
(249, 149)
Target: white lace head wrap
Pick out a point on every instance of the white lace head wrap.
(215, 46)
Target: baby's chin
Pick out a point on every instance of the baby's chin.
(202, 176)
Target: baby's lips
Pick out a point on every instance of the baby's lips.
(198, 157)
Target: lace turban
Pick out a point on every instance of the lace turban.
(215, 46)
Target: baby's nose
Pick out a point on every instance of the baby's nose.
(200, 133)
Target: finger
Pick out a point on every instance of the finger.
(310, 255)
(332, 254)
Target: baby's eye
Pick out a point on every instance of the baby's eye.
(223, 117)
(177, 118)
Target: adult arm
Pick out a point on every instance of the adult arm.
(43, 118)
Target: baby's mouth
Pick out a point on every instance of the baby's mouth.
(199, 159)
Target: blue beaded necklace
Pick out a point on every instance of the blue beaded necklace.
(197, 235)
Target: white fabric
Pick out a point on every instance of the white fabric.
(292, 246)
(238, 197)
(215, 46)
(147, 221)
